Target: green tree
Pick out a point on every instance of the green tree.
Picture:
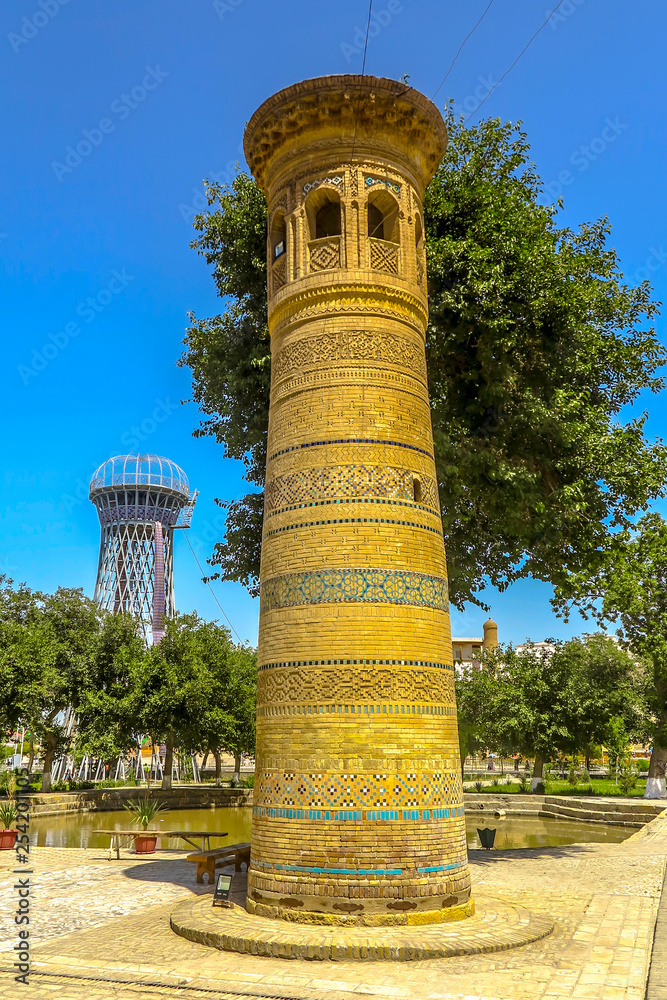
(181, 688)
(547, 704)
(529, 705)
(604, 685)
(630, 588)
(109, 715)
(476, 687)
(242, 706)
(47, 645)
(534, 346)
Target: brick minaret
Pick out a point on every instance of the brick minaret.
(358, 810)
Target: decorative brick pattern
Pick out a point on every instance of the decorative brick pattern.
(279, 273)
(324, 253)
(358, 802)
(346, 346)
(352, 520)
(384, 256)
(345, 686)
(350, 481)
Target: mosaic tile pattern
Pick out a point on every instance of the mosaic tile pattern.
(423, 791)
(374, 586)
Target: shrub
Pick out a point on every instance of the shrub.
(509, 782)
(249, 781)
(144, 810)
(496, 782)
(627, 776)
(8, 814)
(539, 788)
(642, 765)
(524, 786)
(478, 786)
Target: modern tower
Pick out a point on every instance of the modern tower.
(140, 501)
(358, 803)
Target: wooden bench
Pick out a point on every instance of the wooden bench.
(208, 861)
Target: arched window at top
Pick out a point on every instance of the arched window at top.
(419, 233)
(383, 217)
(323, 210)
(278, 252)
(278, 236)
(324, 214)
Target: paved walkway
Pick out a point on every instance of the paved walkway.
(100, 928)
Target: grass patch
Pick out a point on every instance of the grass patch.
(597, 787)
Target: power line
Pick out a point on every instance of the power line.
(204, 580)
(523, 50)
(471, 32)
(368, 28)
(363, 72)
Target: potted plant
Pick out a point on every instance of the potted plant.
(8, 815)
(143, 811)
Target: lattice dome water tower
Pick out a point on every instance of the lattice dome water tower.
(141, 500)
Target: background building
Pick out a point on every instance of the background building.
(468, 649)
(140, 501)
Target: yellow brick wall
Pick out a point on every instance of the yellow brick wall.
(358, 806)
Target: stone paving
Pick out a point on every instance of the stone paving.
(101, 928)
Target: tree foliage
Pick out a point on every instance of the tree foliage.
(47, 644)
(534, 346)
(630, 588)
(59, 653)
(549, 703)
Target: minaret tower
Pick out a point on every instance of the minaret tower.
(358, 804)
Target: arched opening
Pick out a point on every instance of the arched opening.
(327, 220)
(278, 236)
(383, 217)
(323, 211)
(419, 247)
(417, 490)
(419, 233)
(324, 215)
(278, 251)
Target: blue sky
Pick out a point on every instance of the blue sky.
(98, 274)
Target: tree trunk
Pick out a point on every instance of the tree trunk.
(203, 763)
(538, 770)
(168, 762)
(655, 782)
(48, 763)
(218, 766)
(31, 755)
(236, 780)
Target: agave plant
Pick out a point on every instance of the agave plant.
(8, 814)
(144, 810)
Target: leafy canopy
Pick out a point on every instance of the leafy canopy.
(630, 588)
(534, 346)
(545, 704)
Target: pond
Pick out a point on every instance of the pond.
(512, 832)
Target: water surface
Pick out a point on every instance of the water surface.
(81, 830)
